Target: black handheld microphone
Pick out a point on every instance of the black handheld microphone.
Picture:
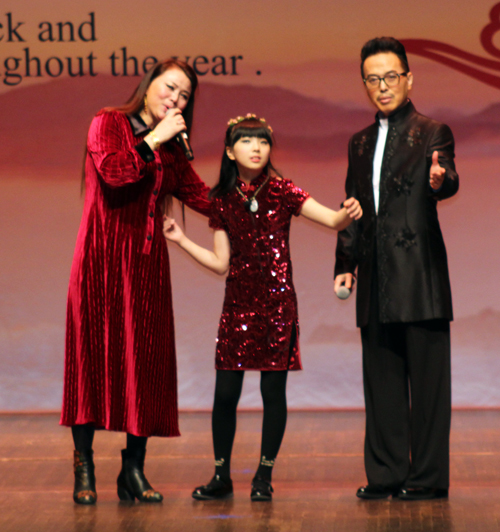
(183, 139)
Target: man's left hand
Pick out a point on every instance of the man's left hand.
(437, 172)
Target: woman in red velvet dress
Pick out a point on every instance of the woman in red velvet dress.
(120, 368)
(258, 329)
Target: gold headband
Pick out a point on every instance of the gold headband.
(238, 119)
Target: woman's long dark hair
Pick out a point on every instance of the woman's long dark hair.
(135, 103)
(248, 127)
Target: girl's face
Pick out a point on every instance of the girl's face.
(251, 155)
(170, 89)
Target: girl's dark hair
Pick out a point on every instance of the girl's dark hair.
(381, 45)
(136, 102)
(250, 126)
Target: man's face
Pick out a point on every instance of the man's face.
(387, 99)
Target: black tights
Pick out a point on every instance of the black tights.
(83, 436)
(227, 394)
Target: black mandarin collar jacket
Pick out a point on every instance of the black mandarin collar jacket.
(411, 262)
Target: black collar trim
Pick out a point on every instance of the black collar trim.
(137, 124)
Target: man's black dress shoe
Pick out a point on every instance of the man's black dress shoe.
(421, 494)
(215, 489)
(376, 492)
(261, 490)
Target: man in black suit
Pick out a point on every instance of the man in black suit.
(399, 168)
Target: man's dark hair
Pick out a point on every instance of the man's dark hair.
(381, 45)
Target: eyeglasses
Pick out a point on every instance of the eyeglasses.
(391, 79)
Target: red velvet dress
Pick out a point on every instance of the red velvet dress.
(120, 368)
(260, 305)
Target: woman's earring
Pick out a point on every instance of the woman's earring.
(146, 103)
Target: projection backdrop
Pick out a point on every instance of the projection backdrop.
(296, 64)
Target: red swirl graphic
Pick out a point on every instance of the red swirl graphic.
(490, 30)
(460, 60)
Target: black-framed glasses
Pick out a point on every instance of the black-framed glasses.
(391, 79)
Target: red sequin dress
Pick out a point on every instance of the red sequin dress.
(260, 306)
(120, 368)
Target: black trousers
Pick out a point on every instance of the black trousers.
(407, 386)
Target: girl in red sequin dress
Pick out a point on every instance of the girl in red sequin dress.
(258, 329)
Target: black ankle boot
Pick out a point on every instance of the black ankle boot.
(132, 483)
(83, 466)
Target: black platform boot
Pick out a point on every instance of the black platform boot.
(132, 483)
(83, 465)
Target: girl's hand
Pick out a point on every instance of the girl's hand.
(171, 231)
(353, 208)
(170, 126)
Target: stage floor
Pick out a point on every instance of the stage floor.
(318, 471)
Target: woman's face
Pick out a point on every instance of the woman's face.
(168, 90)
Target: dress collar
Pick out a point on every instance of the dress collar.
(254, 184)
(137, 124)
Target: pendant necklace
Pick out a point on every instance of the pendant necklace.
(252, 204)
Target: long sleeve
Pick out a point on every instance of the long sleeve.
(116, 161)
(345, 254)
(444, 143)
(191, 190)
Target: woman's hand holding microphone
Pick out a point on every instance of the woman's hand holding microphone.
(170, 126)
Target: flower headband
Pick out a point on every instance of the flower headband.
(238, 119)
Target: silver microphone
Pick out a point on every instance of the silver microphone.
(343, 292)
(183, 139)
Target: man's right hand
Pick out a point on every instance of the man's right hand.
(344, 278)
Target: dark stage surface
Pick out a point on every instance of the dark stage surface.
(315, 479)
